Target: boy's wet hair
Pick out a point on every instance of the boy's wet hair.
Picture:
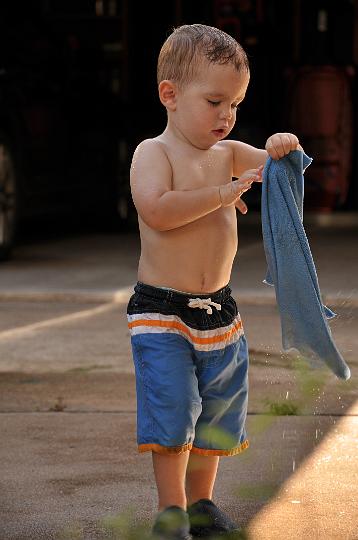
(187, 45)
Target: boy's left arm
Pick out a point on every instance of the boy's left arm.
(248, 157)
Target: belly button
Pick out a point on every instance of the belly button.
(202, 281)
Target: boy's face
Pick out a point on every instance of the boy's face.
(206, 107)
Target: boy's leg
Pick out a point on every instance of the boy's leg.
(200, 477)
(223, 384)
(169, 472)
(220, 430)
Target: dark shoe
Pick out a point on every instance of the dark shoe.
(172, 524)
(207, 520)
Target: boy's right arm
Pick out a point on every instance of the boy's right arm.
(163, 209)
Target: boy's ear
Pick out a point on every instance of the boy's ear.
(168, 94)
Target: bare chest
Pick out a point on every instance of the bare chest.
(210, 168)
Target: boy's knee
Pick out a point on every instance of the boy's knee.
(176, 423)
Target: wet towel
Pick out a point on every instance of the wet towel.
(291, 267)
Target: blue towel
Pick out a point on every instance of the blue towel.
(290, 265)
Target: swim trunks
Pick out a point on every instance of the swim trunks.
(191, 363)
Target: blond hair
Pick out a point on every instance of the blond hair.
(187, 46)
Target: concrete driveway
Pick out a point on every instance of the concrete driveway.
(69, 466)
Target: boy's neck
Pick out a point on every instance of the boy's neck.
(172, 135)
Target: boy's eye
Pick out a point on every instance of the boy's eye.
(216, 103)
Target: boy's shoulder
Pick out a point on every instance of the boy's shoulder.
(150, 143)
(149, 149)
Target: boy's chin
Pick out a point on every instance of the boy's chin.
(205, 144)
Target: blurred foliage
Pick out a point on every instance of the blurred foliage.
(216, 437)
(311, 381)
(283, 408)
(124, 526)
(257, 492)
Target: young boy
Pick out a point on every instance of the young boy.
(188, 343)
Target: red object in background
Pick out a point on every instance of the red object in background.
(239, 18)
(230, 25)
(225, 17)
(319, 111)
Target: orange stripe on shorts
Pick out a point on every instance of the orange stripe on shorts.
(185, 330)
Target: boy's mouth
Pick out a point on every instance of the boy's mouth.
(219, 132)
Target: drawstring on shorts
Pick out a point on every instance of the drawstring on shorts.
(203, 303)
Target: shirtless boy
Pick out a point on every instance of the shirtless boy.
(188, 343)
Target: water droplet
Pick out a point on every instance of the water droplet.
(287, 394)
(293, 465)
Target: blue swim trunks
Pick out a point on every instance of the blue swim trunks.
(191, 364)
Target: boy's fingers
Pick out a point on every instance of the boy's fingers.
(244, 183)
(251, 174)
(271, 150)
(290, 142)
(248, 173)
(241, 206)
(281, 144)
(294, 141)
(287, 144)
(260, 171)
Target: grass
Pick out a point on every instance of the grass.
(283, 408)
(59, 405)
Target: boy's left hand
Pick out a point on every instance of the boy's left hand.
(281, 144)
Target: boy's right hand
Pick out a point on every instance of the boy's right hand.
(231, 193)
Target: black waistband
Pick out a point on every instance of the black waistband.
(158, 293)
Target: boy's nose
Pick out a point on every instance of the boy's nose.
(226, 114)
